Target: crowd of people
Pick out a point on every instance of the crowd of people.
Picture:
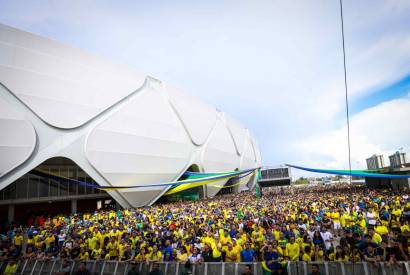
(321, 223)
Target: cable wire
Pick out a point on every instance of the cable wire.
(346, 96)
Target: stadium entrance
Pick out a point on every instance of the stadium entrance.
(51, 188)
(230, 186)
(192, 194)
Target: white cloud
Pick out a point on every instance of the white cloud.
(378, 130)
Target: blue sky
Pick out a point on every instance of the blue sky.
(274, 65)
(397, 89)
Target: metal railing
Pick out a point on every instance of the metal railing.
(359, 268)
(43, 267)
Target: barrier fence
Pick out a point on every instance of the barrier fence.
(34, 267)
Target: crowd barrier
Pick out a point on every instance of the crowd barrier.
(359, 268)
(34, 267)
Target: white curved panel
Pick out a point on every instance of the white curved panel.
(197, 117)
(219, 154)
(63, 85)
(239, 133)
(144, 143)
(257, 152)
(248, 162)
(17, 138)
(248, 157)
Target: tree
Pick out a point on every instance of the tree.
(302, 180)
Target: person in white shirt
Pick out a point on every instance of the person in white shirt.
(61, 238)
(327, 237)
(195, 257)
(371, 217)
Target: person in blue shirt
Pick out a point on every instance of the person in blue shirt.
(233, 232)
(248, 254)
(168, 252)
(271, 258)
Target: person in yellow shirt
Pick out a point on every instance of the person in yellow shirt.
(126, 253)
(49, 240)
(307, 241)
(338, 255)
(83, 256)
(282, 241)
(405, 228)
(241, 239)
(319, 254)
(207, 238)
(256, 238)
(121, 247)
(112, 247)
(216, 247)
(18, 241)
(92, 242)
(111, 215)
(39, 242)
(96, 252)
(11, 268)
(225, 239)
(381, 229)
(345, 219)
(292, 250)
(376, 238)
(396, 212)
(182, 256)
(237, 248)
(155, 255)
(276, 233)
(30, 241)
(306, 255)
(141, 256)
(231, 254)
(361, 222)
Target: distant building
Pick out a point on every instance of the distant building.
(397, 160)
(398, 166)
(275, 176)
(375, 162)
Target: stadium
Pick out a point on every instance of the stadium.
(73, 113)
(107, 171)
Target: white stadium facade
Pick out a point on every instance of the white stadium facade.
(61, 107)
